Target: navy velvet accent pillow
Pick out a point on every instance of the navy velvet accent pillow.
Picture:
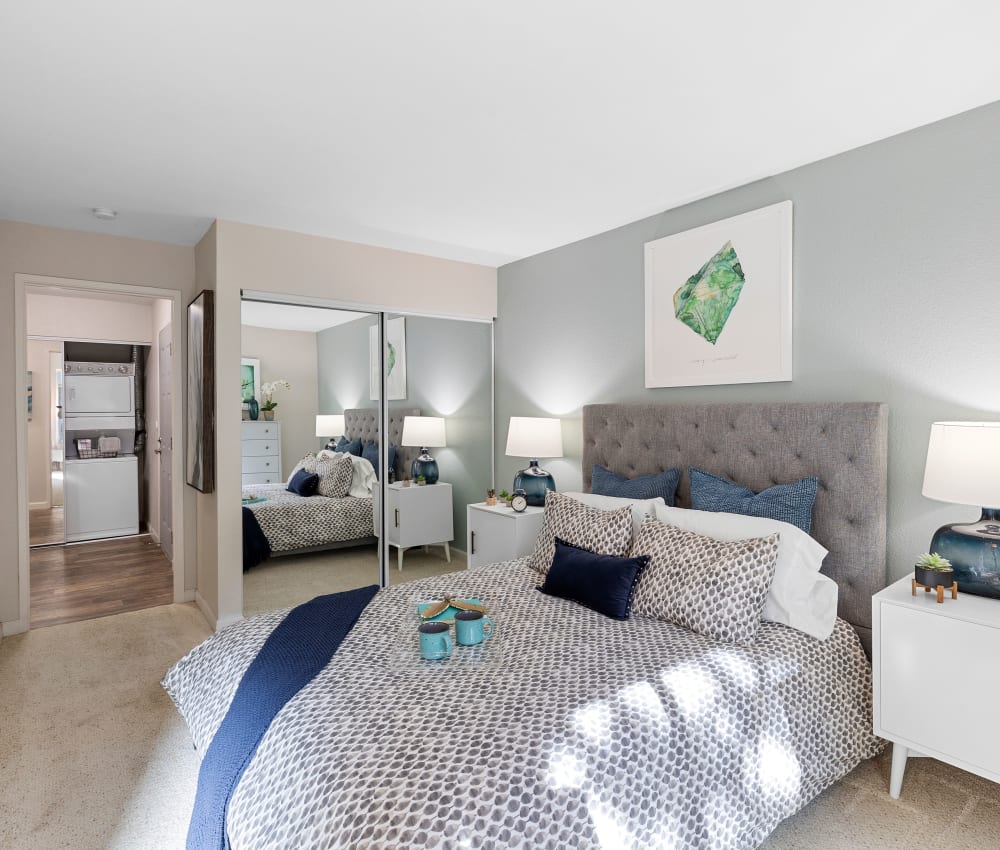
(603, 583)
(786, 502)
(303, 483)
(370, 453)
(608, 483)
(352, 447)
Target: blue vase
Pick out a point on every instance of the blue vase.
(425, 465)
(974, 551)
(535, 482)
(254, 408)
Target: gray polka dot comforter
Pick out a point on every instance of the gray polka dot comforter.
(565, 730)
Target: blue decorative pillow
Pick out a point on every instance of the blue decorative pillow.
(352, 447)
(786, 502)
(603, 583)
(303, 483)
(608, 483)
(370, 453)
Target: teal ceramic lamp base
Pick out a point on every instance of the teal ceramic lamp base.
(535, 482)
(974, 551)
(426, 466)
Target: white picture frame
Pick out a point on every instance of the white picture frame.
(248, 364)
(755, 341)
(395, 332)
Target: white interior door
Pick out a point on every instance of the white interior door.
(165, 443)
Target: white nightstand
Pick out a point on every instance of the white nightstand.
(936, 679)
(419, 516)
(498, 533)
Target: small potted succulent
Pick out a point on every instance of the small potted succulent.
(491, 497)
(932, 570)
(421, 480)
(506, 497)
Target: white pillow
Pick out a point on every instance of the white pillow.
(641, 508)
(364, 478)
(799, 596)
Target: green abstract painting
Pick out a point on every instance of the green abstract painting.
(706, 301)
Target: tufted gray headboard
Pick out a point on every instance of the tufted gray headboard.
(363, 422)
(757, 445)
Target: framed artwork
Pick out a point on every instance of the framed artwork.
(719, 302)
(200, 419)
(395, 331)
(250, 378)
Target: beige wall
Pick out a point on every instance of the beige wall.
(290, 355)
(263, 259)
(31, 249)
(104, 319)
(39, 437)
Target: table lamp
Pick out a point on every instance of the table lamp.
(963, 466)
(534, 437)
(424, 431)
(330, 425)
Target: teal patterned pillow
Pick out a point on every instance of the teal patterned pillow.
(791, 503)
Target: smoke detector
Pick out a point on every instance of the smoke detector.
(104, 213)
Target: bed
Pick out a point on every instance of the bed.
(570, 729)
(294, 524)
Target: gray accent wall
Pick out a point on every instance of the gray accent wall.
(895, 300)
(448, 373)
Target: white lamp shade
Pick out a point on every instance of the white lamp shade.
(534, 437)
(330, 425)
(963, 463)
(423, 431)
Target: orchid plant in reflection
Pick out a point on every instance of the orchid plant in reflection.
(268, 389)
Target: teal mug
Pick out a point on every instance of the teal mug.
(472, 627)
(435, 642)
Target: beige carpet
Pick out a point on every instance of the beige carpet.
(94, 756)
(293, 579)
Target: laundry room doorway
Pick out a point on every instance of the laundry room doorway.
(99, 496)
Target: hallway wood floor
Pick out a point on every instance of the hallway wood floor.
(45, 525)
(87, 580)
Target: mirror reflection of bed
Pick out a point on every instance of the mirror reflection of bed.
(328, 542)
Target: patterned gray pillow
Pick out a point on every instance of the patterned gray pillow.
(335, 474)
(602, 532)
(714, 588)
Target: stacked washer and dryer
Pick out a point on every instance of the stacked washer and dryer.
(101, 471)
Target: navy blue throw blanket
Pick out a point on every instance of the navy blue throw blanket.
(256, 549)
(292, 655)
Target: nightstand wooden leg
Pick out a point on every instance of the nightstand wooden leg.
(899, 756)
(447, 552)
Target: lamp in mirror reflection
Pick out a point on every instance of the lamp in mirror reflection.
(425, 432)
(534, 437)
(330, 425)
(963, 466)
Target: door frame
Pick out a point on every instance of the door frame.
(23, 283)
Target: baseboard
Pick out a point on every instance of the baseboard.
(14, 627)
(206, 611)
(39, 506)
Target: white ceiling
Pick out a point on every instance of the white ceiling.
(479, 131)
(293, 317)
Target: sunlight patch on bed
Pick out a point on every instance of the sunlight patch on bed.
(695, 690)
(741, 672)
(594, 722)
(566, 771)
(611, 833)
(774, 769)
(642, 698)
